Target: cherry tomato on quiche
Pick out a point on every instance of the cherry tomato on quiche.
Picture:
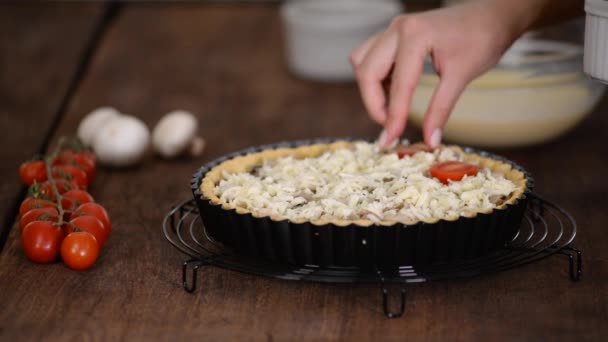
(84, 160)
(41, 241)
(34, 171)
(452, 170)
(73, 199)
(71, 173)
(410, 150)
(96, 210)
(79, 250)
(88, 224)
(39, 214)
(34, 203)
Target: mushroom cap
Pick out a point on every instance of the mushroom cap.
(90, 125)
(174, 132)
(122, 141)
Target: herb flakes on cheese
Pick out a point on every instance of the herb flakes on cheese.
(362, 183)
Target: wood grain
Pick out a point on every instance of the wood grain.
(225, 64)
(41, 46)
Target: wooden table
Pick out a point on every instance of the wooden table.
(225, 63)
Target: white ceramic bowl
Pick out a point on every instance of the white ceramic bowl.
(596, 39)
(536, 93)
(321, 34)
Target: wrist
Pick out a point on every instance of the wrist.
(517, 16)
(523, 15)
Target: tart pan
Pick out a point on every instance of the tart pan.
(374, 246)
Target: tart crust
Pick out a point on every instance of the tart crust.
(247, 162)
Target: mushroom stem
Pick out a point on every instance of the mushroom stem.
(197, 146)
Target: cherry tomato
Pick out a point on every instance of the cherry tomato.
(79, 250)
(31, 172)
(410, 150)
(41, 241)
(84, 160)
(71, 173)
(39, 214)
(89, 224)
(94, 209)
(73, 199)
(452, 170)
(63, 186)
(34, 203)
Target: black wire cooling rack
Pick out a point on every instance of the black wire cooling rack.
(546, 230)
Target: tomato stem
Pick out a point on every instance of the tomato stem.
(76, 228)
(48, 162)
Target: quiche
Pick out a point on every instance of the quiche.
(355, 183)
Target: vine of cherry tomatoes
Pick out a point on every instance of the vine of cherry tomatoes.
(60, 217)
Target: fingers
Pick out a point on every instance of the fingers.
(442, 103)
(374, 67)
(408, 68)
(359, 54)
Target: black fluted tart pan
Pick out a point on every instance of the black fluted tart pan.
(374, 246)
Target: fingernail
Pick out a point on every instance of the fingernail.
(436, 138)
(382, 139)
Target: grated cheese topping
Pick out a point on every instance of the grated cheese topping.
(362, 183)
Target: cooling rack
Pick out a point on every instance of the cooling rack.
(546, 230)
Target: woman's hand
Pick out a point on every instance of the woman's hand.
(463, 41)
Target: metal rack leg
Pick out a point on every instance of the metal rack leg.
(197, 264)
(387, 311)
(575, 262)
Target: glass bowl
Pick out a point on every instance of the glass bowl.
(536, 93)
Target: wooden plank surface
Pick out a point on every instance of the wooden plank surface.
(42, 45)
(225, 64)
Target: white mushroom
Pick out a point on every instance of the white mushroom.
(176, 134)
(122, 141)
(92, 122)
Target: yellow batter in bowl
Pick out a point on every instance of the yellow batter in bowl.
(536, 93)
